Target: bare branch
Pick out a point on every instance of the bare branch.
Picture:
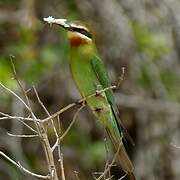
(41, 130)
(72, 122)
(111, 164)
(18, 165)
(23, 135)
(76, 174)
(176, 146)
(62, 166)
(7, 116)
(123, 177)
(28, 126)
(14, 94)
(45, 109)
(121, 78)
(68, 128)
(81, 101)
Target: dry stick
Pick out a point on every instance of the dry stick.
(61, 138)
(57, 136)
(175, 146)
(18, 117)
(121, 78)
(28, 126)
(7, 116)
(107, 155)
(83, 100)
(76, 174)
(72, 122)
(59, 151)
(55, 131)
(18, 165)
(61, 164)
(23, 135)
(68, 106)
(40, 128)
(110, 165)
(45, 109)
(123, 177)
(14, 94)
(39, 123)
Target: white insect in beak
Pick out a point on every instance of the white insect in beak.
(62, 22)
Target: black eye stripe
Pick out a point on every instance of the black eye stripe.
(82, 31)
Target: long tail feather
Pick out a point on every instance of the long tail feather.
(123, 157)
(131, 176)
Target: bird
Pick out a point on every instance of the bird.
(90, 76)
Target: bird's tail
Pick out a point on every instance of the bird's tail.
(131, 176)
(122, 157)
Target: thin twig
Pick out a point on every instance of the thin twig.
(14, 94)
(107, 155)
(81, 101)
(72, 122)
(76, 174)
(18, 165)
(7, 116)
(28, 126)
(111, 164)
(68, 128)
(23, 135)
(40, 128)
(123, 176)
(62, 166)
(176, 146)
(45, 109)
(121, 78)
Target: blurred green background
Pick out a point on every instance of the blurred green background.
(142, 36)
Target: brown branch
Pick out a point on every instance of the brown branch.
(81, 101)
(76, 174)
(72, 122)
(23, 135)
(18, 165)
(61, 165)
(111, 164)
(40, 128)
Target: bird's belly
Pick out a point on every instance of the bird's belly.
(88, 84)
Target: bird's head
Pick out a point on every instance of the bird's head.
(78, 34)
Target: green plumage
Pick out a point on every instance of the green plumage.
(90, 75)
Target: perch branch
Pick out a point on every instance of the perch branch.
(18, 165)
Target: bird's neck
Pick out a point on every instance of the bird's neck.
(76, 40)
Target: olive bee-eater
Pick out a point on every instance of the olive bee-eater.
(90, 76)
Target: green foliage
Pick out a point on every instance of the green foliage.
(171, 81)
(5, 71)
(144, 78)
(14, 172)
(154, 46)
(96, 151)
(151, 43)
(93, 152)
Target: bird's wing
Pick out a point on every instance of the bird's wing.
(101, 73)
(102, 76)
